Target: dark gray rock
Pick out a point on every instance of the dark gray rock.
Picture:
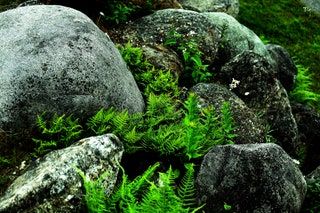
(250, 178)
(58, 61)
(155, 28)
(230, 7)
(262, 92)
(308, 121)
(286, 68)
(248, 127)
(235, 38)
(53, 183)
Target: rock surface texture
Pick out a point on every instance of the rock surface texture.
(313, 5)
(58, 61)
(53, 183)
(248, 127)
(260, 89)
(250, 178)
(230, 7)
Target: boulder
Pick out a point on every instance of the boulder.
(308, 121)
(231, 7)
(311, 6)
(259, 88)
(248, 127)
(286, 68)
(58, 61)
(154, 29)
(235, 38)
(53, 184)
(250, 178)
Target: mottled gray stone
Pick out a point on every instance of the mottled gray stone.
(250, 178)
(53, 183)
(154, 29)
(235, 38)
(55, 59)
(248, 127)
(286, 68)
(230, 7)
(261, 91)
(311, 5)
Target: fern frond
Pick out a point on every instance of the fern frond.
(186, 189)
(227, 124)
(100, 122)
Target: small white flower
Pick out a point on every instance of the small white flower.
(296, 162)
(246, 93)
(234, 84)
(101, 14)
(191, 33)
(22, 165)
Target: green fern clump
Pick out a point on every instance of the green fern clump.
(59, 132)
(303, 92)
(191, 55)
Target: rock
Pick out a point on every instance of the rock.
(250, 178)
(230, 7)
(235, 38)
(286, 68)
(52, 184)
(154, 30)
(58, 61)
(312, 200)
(311, 5)
(308, 121)
(248, 128)
(156, 5)
(30, 3)
(163, 58)
(314, 175)
(262, 92)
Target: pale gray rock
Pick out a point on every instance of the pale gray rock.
(311, 6)
(230, 7)
(53, 183)
(258, 178)
(235, 38)
(55, 59)
(248, 127)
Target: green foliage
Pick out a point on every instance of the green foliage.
(94, 193)
(117, 12)
(4, 161)
(303, 92)
(191, 55)
(57, 133)
(312, 200)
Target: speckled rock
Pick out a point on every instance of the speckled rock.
(262, 92)
(248, 127)
(58, 61)
(155, 28)
(235, 38)
(52, 184)
(250, 178)
(311, 6)
(286, 68)
(230, 7)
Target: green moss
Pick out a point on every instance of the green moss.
(287, 23)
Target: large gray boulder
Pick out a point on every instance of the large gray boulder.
(311, 6)
(248, 127)
(250, 178)
(235, 37)
(55, 59)
(154, 29)
(230, 7)
(260, 89)
(53, 183)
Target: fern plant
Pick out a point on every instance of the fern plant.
(191, 55)
(57, 133)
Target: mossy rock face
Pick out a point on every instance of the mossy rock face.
(248, 127)
(154, 29)
(58, 62)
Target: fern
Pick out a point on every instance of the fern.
(227, 125)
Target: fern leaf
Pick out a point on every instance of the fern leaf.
(186, 189)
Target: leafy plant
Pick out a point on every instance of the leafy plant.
(118, 12)
(57, 133)
(303, 92)
(191, 55)
(312, 200)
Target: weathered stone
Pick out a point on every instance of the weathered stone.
(235, 38)
(156, 5)
(250, 178)
(163, 58)
(286, 68)
(230, 7)
(58, 61)
(53, 183)
(262, 92)
(308, 121)
(311, 6)
(154, 29)
(248, 128)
